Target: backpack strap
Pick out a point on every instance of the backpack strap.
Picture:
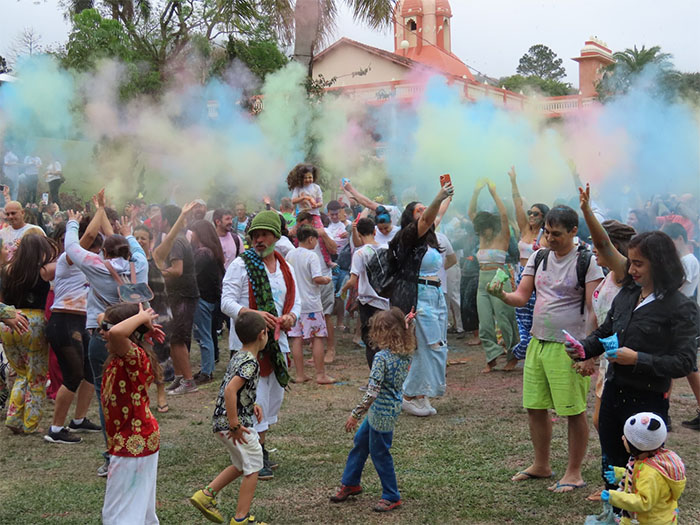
(583, 261)
(542, 255)
(132, 265)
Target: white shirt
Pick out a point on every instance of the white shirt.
(325, 269)
(384, 239)
(691, 266)
(335, 231)
(312, 190)
(365, 292)
(11, 237)
(32, 165)
(53, 171)
(446, 247)
(11, 165)
(70, 287)
(307, 266)
(235, 296)
(283, 246)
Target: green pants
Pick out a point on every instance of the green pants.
(494, 312)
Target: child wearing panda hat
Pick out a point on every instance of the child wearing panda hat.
(654, 479)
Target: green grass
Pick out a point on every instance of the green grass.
(451, 468)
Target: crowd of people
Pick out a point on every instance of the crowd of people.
(101, 304)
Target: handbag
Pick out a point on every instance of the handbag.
(130, 292)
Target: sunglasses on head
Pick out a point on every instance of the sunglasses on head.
(531, 213)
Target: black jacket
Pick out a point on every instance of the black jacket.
(664, 333)
(408, 250)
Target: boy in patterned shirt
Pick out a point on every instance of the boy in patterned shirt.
(233, 423)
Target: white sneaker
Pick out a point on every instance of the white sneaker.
(414, 407)
(426, 404)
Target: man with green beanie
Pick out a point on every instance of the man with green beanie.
(261, 280)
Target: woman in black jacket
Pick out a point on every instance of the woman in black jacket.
(657, 330)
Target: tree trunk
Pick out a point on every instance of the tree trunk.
(307, 14)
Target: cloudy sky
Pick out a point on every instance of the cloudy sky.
(489, 37)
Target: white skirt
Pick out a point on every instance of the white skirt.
(130, 497)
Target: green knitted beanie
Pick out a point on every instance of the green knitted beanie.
(266, 220)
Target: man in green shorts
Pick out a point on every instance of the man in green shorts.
(549, 381)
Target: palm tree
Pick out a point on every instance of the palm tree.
(635, 60)
(312, 21)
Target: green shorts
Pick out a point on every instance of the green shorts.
(549, 381)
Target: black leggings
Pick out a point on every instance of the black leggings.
(366, 313)
(69, 340)
(618, 404)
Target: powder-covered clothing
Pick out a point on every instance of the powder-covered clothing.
(386, 380)
(184, 285)
(650, 492)
(691, 267)
(447, 249)
(103, 288)
(70, 287)
(558, 305)
(11, 237)
(131, 429)
(245, 366)
(603, 297)
(380, 238)
(431, 263)
(232, 245)
(314, 191)
(335, 231)
(365, 293)
(307, 266)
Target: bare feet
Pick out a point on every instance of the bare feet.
(325, 380)
(309, 362)
(510, 365)
(330, 356)
(489, 366)
(473, 339)
(302, 379)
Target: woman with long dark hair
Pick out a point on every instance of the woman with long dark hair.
(417, 253)
(209, 267)
(494, 238)
(531, 226)
(25, 285)
(656, 328)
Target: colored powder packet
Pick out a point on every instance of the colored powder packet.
(609, 343)
(575, 344)
(501, 277)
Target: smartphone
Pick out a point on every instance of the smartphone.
(2, 187)
(445, 179)
(44, 198)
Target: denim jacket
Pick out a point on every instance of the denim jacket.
(664, 333)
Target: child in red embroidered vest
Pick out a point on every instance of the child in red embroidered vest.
(233, 423)
(308, 196)
(392, 332)
(654, 478)
(133, 436)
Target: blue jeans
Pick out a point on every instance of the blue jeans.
(339, 277)
(97, 355)
(202, 334)
(377, 445)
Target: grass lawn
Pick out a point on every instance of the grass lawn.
(451, 468)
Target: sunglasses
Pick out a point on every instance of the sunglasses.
(531, 213)
(105, 326)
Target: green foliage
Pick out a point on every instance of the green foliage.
(261, 56)
(542, 62)
(536, 85)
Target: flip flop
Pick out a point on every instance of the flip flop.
(163, 408)
(529, 476)
(572, 486)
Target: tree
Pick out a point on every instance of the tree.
(542, 62)
(536, 85)
(650, 66)
(27, 43)
(261, 55)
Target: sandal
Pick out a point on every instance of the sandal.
(163, 408)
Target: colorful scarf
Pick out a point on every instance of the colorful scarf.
(260, 298)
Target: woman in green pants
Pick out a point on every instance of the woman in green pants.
(494, 235)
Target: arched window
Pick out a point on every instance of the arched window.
(411, 24)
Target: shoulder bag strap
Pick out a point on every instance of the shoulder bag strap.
(113, 272)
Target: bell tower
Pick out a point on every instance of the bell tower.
(422, 23)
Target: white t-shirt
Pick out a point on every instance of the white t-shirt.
(395, 214)
(11, 237)
(32, 165)
(384, 239)
(691, 266)
(313, 190)
(53, 171)
(325, 269)
(446, 246)
(335, 231)
(11, 166)
(365, 293)
(306, 266)
(558, 305)
(284, 246)
(70, 287)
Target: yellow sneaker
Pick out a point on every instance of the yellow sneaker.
(207, 506)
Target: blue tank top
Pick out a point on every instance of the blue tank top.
(431, 264)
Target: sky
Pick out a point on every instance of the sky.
(489, 39)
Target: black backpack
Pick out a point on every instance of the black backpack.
(583, 261)
(344, 259)
(381, 271)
